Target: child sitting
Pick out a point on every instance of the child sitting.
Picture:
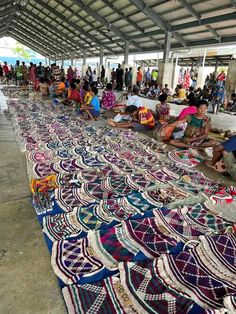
(61, 89)
(163, 109)
(93, 108)
(53, 89)
(43, 87)
(73, 95)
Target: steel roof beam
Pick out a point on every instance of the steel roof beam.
(61, 17)
(74, 26)
(157, 19)
(71, 31)
(87, 23)
(33, 17)
(34, 37)
(123, 17)
(214, 32)
(38, 36)
(40, 32)
(105, 22)
(191, 10)
(233, 3)
(8, 11)
(209, 20)
(150, 13)
(34, 42)
(5, 4)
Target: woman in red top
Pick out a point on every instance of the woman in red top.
(139, 77)
(73, 94)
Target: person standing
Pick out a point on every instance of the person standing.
(32, 74)
(103, 72)
(89, 74)
(6, 72)
(113, 76)
(25, 74)
(62, 72)
(95, 78)
(139, 77)
(1, 72)
(70, 74)
(40, 71)
(18, 72)
(119, 78)
(148, 77)
(187, 79)
(130, 77)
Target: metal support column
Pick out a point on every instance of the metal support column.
(167, 47)
(126, 54)
(84, 57)
(166, 76)
(84, 63)
(101, 56)
(62, 62)
(216, 66)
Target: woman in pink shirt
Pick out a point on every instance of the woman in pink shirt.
(191, 109)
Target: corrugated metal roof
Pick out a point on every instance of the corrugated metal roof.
(63, 27)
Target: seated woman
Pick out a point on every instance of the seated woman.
(73, 95)
(61, 89)
(108, 97)
(163, 109)
(181, 92)
(227, 151)
(232, 104)
(191, 109)
(93, 108)
(196, 132)
(142, 119)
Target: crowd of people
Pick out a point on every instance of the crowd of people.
(190, 129)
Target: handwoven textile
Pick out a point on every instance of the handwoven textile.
(105, 296)
(148, 292)
(219, 254)
(189, 158)
(71, 260)
(185, 271)
(230, 303)
(84, 218)
(124, 242)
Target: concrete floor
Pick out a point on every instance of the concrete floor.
(27, 282)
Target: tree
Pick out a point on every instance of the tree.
(20, 52)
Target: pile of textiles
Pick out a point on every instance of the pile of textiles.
(130, 228)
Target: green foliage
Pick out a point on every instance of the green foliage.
(20, 52)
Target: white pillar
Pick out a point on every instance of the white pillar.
(201, 76)
(175, 73)
(84, 68)
(165, 71)
(101, 56)
(126, 53)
